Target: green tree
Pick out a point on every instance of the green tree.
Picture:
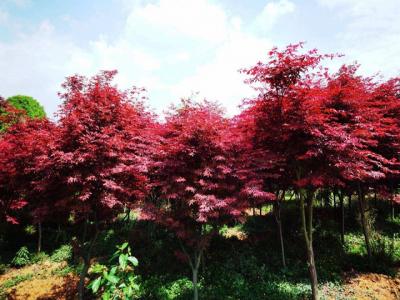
(28, 104)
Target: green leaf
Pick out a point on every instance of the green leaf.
(123, 246)
(106, 296)
(113, 270)
(112, 278)
(123, 261)
(96, 285)
(133, 260)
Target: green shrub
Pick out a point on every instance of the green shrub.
(117, 281)
(64, 253)
(39, 257)
(30, 105)
(22, 257)
(3, 268)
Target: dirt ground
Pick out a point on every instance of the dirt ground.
(42, 283)
(45, 285)
(368, 286)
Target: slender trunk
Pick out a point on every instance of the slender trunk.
(392, 209)
(349, 203)
(86, 265)
(277, 213)
(341, 198)
(334, 199)
(39, 249)
(260, 210)
(308, 237)
(58, 232)
(194, 265)
(327, 199)
(361, 202)
(195, 286)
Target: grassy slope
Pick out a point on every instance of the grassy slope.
(244, 261)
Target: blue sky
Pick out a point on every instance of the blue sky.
(176, 48)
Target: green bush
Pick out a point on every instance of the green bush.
(3, 268)
(30, 105)
(118, 280)
(22, 257)
(39, 257)
(64, 253)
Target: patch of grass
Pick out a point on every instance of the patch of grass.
(13, 282)
(22, 257)
(64, 253)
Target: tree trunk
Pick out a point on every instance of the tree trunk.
(39, 248)
(392, 208)
(349, 203)
(327, 199)
(277, 213)
(195, 286)
(86, 265)
(306, 220)
(194, 263)
(365, 227)
(341, 198)
(334, 199)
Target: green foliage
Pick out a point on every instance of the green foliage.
(3, 268)
(11, 283)
(22, 257)
(117, 281)
(166, 289)
(64, 253)
(39, 257)
(30, 105)
(30, 229)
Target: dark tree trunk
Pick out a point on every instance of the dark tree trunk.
(306, 219)
(349, 197)
(365, 227)
(392, 209)
(194, 263)
(195, 285)
(334, 199)
(277, 214)
(341, 198)
(86, 262)
(39, 248)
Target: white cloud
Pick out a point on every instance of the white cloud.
(219, 79)
(195, 19)
(272, 11)
(371, 33)
(3, 17)
(21, 3)
(170, 47)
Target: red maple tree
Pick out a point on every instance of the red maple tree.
(198, 190)
(284, 140)
(98, 165)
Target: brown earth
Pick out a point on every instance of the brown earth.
(45, 285)
(368, 286)
(42, 283)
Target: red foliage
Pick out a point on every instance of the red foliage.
(309, 129)
(23, 149)
(194, 173)
(99, 161)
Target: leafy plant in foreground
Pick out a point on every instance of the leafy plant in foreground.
(117, 281)
(22, 257)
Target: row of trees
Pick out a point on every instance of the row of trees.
(307, 132)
